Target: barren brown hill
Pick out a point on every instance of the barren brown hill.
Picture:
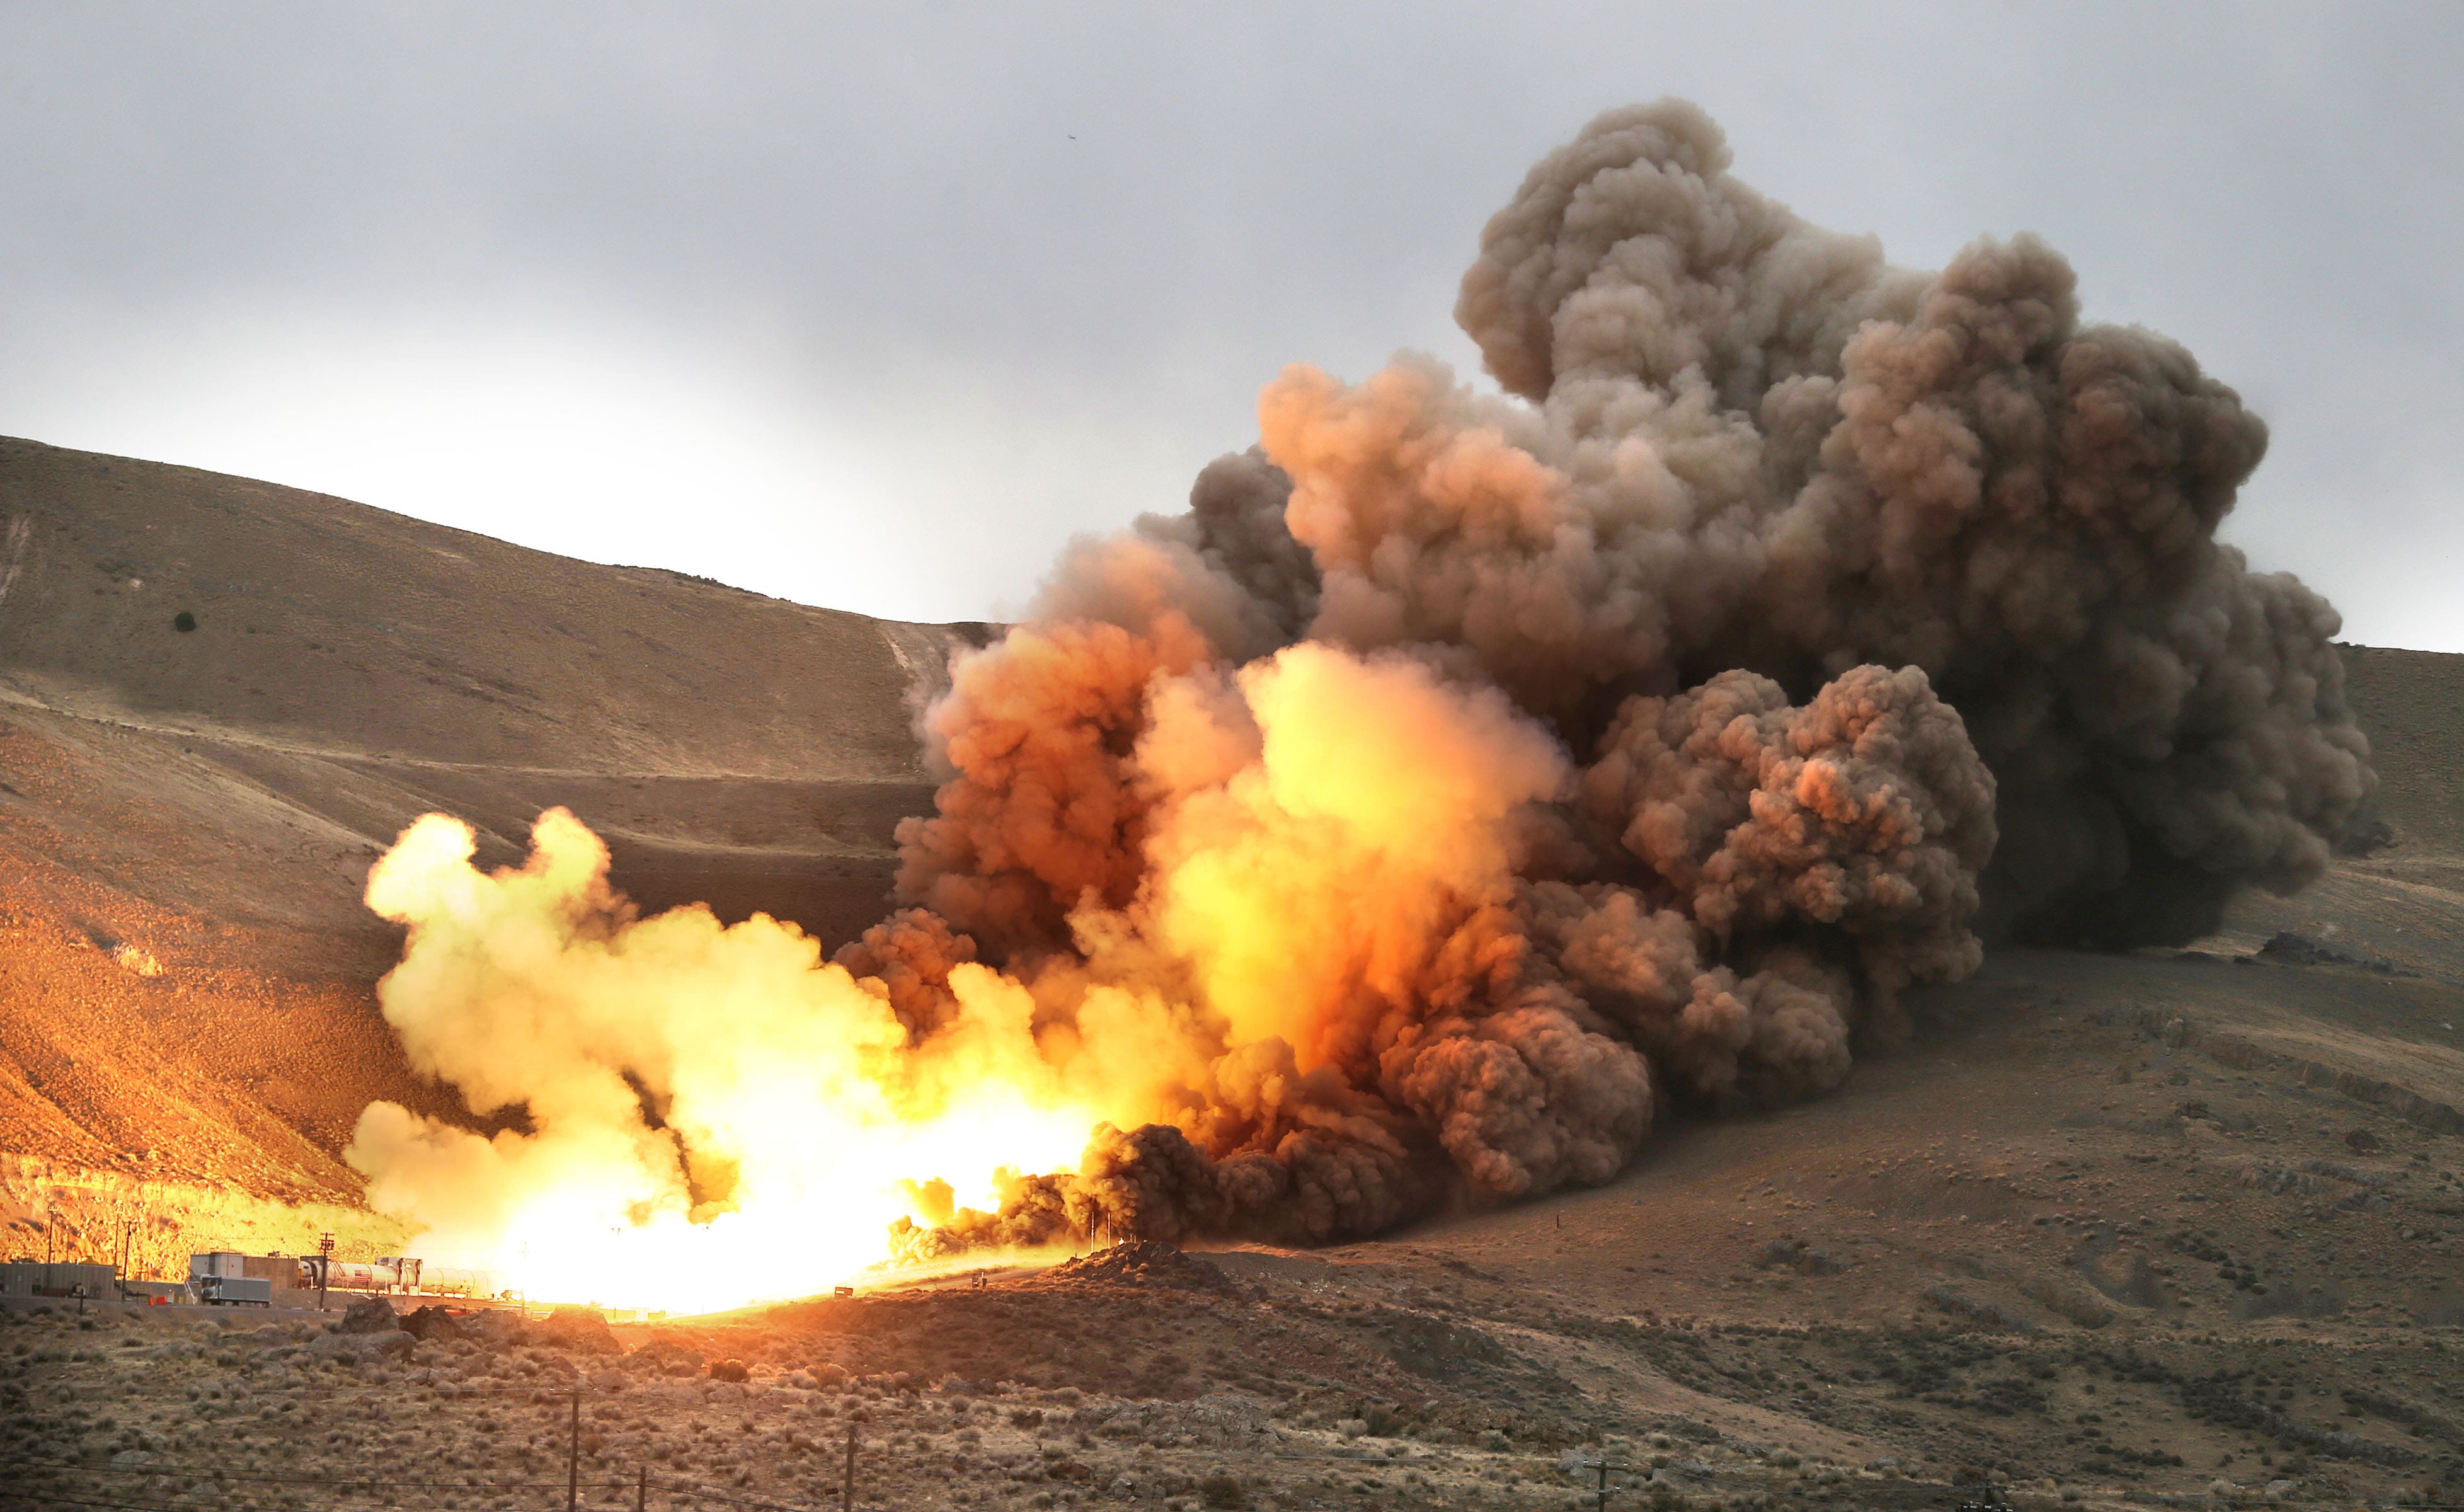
(221, 699)
(2171, 1224)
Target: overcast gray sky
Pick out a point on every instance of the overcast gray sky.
(874, 307)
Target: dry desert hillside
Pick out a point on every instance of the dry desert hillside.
(2176, 1225)
(220, 700)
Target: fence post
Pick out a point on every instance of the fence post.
(573, 1453)
(1604, 1465)
(846, 1482)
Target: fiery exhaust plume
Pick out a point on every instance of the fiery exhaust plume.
(694, 1095)
(1463, 784)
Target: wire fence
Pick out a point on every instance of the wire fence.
(190, 1470)
(571, 1490)
(16, 1487)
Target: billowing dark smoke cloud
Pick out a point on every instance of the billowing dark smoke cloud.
(1461, 785)
(1843, 613)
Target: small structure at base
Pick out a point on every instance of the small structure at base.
(59, 1280)
(228, 1278)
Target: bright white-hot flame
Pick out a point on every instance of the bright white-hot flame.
(715, 1114)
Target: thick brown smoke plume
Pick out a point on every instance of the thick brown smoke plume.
(1832, 572)
(1464, 782)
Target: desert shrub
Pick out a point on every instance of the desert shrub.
(2064, 1301)
(1989, 1313)
(1220, 1490)
(730, 1371)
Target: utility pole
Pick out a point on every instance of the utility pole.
(641, 1489)
(324, 1266)
(847, 1481)
(573, 1453)
(1603, 1466)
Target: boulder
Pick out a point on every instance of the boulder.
(431, 1325)
(371, 1315)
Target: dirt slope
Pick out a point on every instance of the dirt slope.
(187, 815)
(2186, 1224)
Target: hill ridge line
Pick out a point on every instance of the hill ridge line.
(225, 736)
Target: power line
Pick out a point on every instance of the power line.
(50, 1498)
(199, 1472)
(53, 1498)
(308, 1393)
(559, 1390)
(204, 1473)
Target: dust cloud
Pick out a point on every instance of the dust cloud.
(1468, 781)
